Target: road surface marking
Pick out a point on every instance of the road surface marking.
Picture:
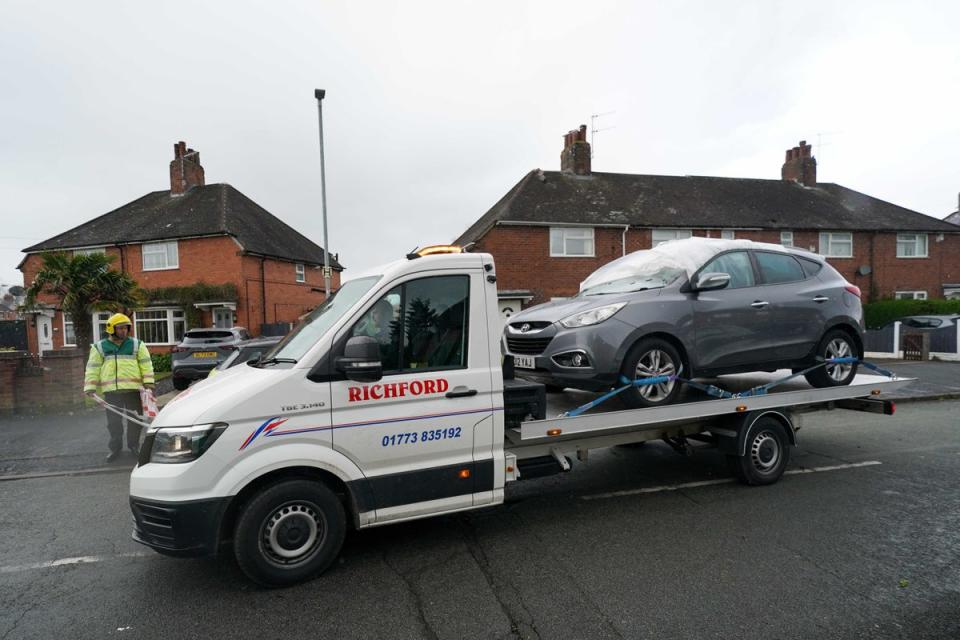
(70, 561)
(706, 483)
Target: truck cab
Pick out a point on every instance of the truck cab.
(386, 404)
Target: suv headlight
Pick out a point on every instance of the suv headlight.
(184, 444)
(594, 316)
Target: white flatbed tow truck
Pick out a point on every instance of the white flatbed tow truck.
(278, 458)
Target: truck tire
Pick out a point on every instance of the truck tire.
(289, 532)
(834, 344)
(767, 453)
(650, 357)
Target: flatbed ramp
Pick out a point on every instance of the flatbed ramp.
(606, 425)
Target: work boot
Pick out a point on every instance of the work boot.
(113, 455)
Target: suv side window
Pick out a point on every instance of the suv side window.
(810, 267)
(420, 325)
(776, 268)
(737, 265)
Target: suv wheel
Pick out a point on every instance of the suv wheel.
(180, 383)
(649, 358)
(834, 344)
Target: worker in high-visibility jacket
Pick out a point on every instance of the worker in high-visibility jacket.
(119, 367)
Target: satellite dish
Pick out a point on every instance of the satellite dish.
(17, 290)
(864, 270)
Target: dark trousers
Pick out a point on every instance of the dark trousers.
(129, 400)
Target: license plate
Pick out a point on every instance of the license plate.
(205, 354)
(524, 362)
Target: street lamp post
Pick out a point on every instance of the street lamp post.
(327, 272)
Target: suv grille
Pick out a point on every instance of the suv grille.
(527, 346)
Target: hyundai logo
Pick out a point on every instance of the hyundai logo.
(525, 327)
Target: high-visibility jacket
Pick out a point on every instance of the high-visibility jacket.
(118, 367)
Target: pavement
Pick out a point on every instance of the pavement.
(76, 443)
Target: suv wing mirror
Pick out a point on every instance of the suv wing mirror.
(360, 361)
(710, 281)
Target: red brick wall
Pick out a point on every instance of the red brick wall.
(522, 254)
(214, 260)
(53, 384)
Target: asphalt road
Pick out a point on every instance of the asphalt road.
(621, 547)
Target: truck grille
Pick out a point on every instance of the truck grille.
(527, 346)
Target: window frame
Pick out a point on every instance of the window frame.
(728, 234)
(675, 231)
(916, 237)
(170, 322)
(783, 235)
(913, 293)
(89, 251)
(830, 240)
(166, 254)
(753, 269)
(763, 280)
(72, 330)
(563, 242)
(402, 305)
(299, 272)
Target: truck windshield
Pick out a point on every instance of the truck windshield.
(297, 343)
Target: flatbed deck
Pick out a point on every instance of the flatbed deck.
(609, 424)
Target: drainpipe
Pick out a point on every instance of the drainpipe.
(263, 290)
(623, 240)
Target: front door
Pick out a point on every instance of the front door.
(412, 432)
(45, 333)
(223, 318)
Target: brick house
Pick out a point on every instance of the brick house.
(191, 233)
(553, 228)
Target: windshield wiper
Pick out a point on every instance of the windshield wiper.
(261, 362)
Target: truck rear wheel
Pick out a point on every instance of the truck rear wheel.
(289, 532)
(767, 453)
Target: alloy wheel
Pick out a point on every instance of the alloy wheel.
(838, 348)
(656, 363)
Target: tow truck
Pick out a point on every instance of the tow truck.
(278, 458)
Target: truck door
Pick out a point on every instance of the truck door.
(412, 432)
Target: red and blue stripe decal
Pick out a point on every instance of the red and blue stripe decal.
(265, 428)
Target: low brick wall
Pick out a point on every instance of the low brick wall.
(40, 385)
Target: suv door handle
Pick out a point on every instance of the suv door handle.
(461, 392)
(821, 299)
(759, 304)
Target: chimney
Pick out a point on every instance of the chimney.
(575, 157)
(185, 170)
(800, 166)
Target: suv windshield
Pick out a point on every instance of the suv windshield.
(295, 345)
(654, 276)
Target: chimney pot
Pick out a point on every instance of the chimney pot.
(575, 157)
(186, 172)
(800, 166)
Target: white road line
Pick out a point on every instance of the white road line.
(706, 483)
(70, 561)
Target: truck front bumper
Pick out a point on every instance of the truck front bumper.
(186, 529)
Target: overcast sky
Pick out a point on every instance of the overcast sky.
(435, 109)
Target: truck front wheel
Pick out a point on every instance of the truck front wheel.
(289, 532)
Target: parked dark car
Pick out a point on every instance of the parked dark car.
(201, 350)
(697, 308)
(928, 323)
(246, 351)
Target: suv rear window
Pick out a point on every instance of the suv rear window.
(208, 335)
(777, 267)
(810, 267)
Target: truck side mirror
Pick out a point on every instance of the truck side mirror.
(710, 281)
(360, 361)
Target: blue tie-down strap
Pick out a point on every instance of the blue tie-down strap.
(639, 382)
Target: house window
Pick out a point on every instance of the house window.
(727, 234)
(69, 336)
(100, 325)
(786, 238)
(836, 245)
(87, 252)
(301, 272)
(665, 235)
(160, 255)
(160, 326)
(571, 241)
(910, 295)
(911, 245)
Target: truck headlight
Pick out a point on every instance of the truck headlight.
(184, 444)
(594, 316)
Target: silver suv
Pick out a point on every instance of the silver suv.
(697, 308)
(200, 351)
